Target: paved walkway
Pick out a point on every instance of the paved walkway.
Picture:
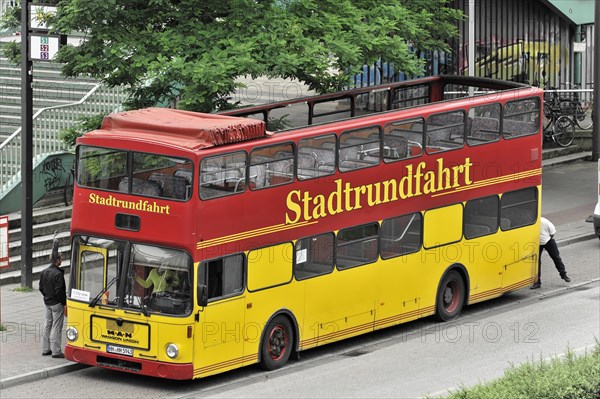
(22, 313)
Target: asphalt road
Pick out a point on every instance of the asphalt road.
(408, 361)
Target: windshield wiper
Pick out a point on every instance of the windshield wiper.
(97, 298)
(144, 310)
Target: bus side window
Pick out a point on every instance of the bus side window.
(224, 276)
(222, 175)
(521, 117)
(271, 165)
(445, 131)
(480, 217)
(359, 148)
(357, 246)
(403, 139)
(518, 208)
(484, 126)
(314, 256)
(316, 157)
(401, 235)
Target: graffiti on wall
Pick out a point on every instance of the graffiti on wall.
(534, 61)
(52, 173)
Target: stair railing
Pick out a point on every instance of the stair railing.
(47, 124)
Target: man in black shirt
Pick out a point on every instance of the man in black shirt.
(53, 287)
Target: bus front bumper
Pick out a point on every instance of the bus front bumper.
(130, 364)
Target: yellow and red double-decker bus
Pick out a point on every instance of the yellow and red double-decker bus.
(204, 242)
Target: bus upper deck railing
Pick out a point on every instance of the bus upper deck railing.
(323, 108)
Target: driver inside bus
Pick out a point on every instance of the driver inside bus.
(161, 278)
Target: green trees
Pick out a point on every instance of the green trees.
(190, 52)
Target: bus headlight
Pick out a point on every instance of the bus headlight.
(72, 334)
(172, 351)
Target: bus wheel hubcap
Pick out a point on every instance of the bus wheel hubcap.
(450, 297)
(277, 342)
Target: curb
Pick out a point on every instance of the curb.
(565, 159)
(576, 239)
(40, 374)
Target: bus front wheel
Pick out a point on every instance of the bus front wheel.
(277, 343)
(450, 296)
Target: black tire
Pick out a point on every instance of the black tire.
(68, 190)
(450, 296)
(564, 131)
(277, 343)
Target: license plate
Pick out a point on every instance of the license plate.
(119, 350)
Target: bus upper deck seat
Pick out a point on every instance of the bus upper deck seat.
(185, 173)
(258, 174)
(141, 187)
(324, 156)
(395, 147)
(172, 186)
(307, 164)
(514, 128)
(484, 129)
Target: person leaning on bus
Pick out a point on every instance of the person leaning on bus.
(161, 278)
(547, 231)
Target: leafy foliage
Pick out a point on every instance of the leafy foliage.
(83, 125)
(11, 19)
(189, 53)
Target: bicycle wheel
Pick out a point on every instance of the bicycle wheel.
(564, 131)
(68, 190)
(583, 115)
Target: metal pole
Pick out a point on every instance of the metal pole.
(26, 151)
(596, 110)
(471, 37)
(577, 58)
(471, 43)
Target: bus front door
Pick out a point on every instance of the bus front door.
(218, 339)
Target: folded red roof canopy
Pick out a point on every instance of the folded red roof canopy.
(210, 129)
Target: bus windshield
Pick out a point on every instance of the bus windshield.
(127, 275)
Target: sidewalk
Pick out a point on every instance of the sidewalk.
(22, 313)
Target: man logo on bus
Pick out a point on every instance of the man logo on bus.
(302, 206)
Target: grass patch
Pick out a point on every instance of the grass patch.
(567, 377)
(23, 289)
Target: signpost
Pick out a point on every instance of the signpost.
(43, 47)
(26, 152)
(36, 44)
(3, 250)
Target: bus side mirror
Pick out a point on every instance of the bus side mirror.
(202, 295)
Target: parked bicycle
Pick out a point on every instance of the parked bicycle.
(560, 128)
(581, 111)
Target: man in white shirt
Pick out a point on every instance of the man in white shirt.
(547, 231)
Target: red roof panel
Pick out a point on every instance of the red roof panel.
(189, 129)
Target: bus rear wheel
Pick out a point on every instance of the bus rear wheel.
(277, 343)
(450, 296)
